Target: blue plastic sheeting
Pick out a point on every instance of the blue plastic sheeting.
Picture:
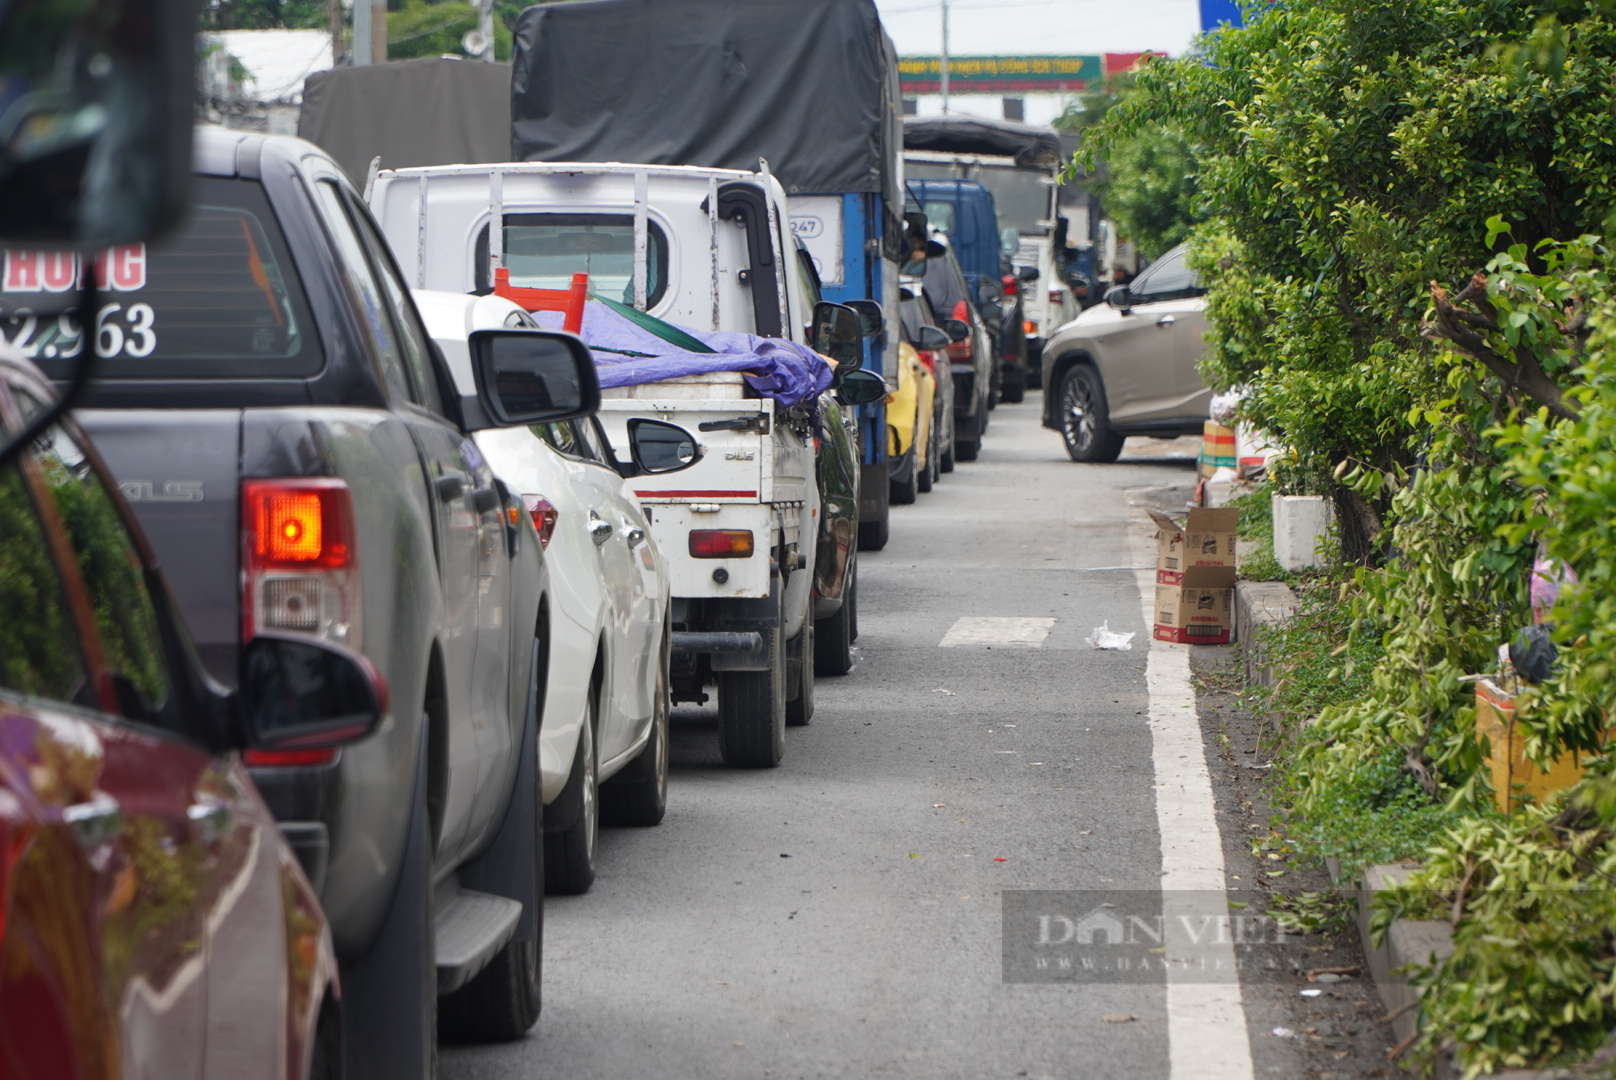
(779, 369)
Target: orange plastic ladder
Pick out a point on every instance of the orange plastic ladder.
(570, 302)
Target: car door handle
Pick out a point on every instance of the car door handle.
(95, 822)
(211, 818)
(1166, 320)
(600, 530)
(449, 488)
(484, 499)
(635, 536)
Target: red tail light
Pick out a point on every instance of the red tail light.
(300, 562)
(544, 516)
(961, 312)
(1054, 296)
(929, 358)
(962, 350)
(1029, 327)
(720, 543)
(288, 758)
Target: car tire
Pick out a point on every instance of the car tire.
(390, 995)
(502, 1002)
(833, 635)
(946, 462)
(800, 658)
(569, 855)
(1085, 422)
(639, 794)
(752, 710)
(904, 492)
(1014, 390)
(873, 535)
(966, 449)
(926, 473)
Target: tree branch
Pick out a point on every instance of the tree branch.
(1461, 330)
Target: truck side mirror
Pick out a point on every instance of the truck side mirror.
(1026, 273)
(529, 377)
(957, 330)
(872, 320)
(861, 388)
(660, 447)
(95, 120)
(839, 334)
(298, 693)
(932, 339)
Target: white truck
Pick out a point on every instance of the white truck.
(706, 249)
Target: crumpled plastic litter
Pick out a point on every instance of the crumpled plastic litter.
(1106, 638)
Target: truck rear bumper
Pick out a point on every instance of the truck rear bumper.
(717, 641)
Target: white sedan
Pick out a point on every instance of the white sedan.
(606, 695)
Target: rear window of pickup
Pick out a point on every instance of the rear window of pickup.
(218, 298)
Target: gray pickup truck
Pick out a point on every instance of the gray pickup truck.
(294, 447)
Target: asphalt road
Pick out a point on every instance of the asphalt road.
(840, 916)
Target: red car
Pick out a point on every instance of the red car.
(153, 923)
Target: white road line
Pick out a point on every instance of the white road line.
(994, 630)
(1207, 1035)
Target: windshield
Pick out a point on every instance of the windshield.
(543, 251)
(218, 299)
(1021, 197)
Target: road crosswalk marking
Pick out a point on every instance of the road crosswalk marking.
(1028, 633)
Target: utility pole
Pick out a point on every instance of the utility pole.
(945, 4)
(362, 49)
(333, 23)
(485, 27)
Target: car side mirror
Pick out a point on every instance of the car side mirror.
(96, 104)
(298, 693)
(861, 388)
(839, 334)
(932, 339)
(1119, 297)
(987, 293)
(529, 377)
(660, 447)
(957, 330)
(1026, 273)
(872, 320)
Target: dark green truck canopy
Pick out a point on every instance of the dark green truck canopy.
(809, 85)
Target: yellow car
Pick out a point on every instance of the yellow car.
(909, 412)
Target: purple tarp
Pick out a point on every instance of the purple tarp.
(776, 368)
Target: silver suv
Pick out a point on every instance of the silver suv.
(1128, 366)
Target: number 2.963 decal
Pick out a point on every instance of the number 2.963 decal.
(119, 329)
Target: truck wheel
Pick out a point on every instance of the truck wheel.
(752, 711)
(833, 636)
(390, 995)
(639, 794)
(873, 535)
(569, 855)
(800, 659)
(1085, 422)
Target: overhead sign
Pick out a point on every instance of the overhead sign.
(1216, 12)
(1000, 74)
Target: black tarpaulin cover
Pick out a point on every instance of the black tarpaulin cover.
(809, 85)
(412, 112)
(1030, 146)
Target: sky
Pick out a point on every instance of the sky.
(1048, 27)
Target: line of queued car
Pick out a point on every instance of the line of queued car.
(332, 629)
(314, 696)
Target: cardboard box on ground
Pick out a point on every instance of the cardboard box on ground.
(1195, 574)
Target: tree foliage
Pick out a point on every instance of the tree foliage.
(1386, 186)
(1147, 180)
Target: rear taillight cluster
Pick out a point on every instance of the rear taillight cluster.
(961, 350)
(300, 563)
(929, 358)
(544, 516)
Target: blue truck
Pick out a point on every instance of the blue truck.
(807, 87)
